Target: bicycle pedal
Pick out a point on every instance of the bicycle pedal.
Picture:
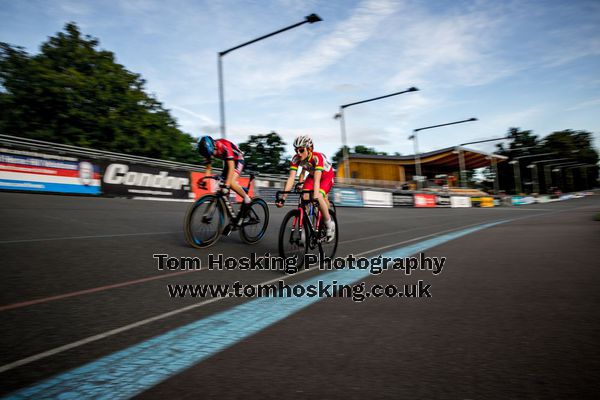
(227, 231)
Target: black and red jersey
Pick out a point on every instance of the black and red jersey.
(227, 150)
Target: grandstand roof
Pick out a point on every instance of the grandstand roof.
(446, 157)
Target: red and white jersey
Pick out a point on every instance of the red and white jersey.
(227, 150)
(314, 162)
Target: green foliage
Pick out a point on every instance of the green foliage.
(358, 149)
(576, 145)
(567, 146)
(265, 153)
(523, 142)
(74, 93)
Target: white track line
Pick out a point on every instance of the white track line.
(85, 237)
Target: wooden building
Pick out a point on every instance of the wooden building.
(402, 168)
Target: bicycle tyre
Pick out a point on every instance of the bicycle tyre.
(328, 249)
(332, 206)
(291, 236)
(194, 218)
(252, 219)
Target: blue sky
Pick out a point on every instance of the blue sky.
(528, 64)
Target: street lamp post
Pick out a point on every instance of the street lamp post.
(534, 178)
(340, 116)
(517, 168)
(516, 175)
(310, 19)
(558, 168)
(416, 145)
(461, 157)
(581, 166)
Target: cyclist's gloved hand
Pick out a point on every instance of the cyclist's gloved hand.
(201, 184)
(299, 186)
(280, 203)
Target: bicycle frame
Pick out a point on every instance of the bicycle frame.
(302, 204)
(251, 220)
(225, 198)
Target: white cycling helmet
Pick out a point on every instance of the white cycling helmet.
(303, 141)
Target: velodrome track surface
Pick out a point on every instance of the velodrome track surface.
(514, 314)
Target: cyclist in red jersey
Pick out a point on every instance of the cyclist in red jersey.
(320, 177)
(233, 160)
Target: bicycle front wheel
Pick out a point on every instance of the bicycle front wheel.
(293, 238)
(254, 221)
(204, 222)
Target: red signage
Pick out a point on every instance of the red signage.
(424, 200)
(212, 186)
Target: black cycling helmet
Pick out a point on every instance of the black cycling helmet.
(206, 146)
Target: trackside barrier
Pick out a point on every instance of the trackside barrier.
(483, 201)
(403, 199)
(36, 171)
(460, 202)
(522, 200)
(347, 197)
(133, 180)
(442, 201)
(39, 166)
(377, 199)
(425, 200)
(543, 199)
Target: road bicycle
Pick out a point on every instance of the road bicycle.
(206, 217)
(303, 229)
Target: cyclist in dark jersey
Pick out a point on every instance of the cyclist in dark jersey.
(233, 160)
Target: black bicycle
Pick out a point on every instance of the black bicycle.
(304, 230)
(205, 219)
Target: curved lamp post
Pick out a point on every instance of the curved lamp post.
(310, 19)
(414, 137)
(340, 116)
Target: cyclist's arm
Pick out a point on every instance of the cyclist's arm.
(208, 167)
(289, 183)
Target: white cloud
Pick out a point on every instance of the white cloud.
(584, 104)
(331, 48)
(74, 8)
(450, 49)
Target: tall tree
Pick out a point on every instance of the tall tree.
(74, 93)
(265, 153)
(575, 146)
(522, 142)
(358, 149)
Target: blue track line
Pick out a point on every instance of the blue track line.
(131, 371)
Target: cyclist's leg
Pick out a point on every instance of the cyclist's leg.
(309, 184)
(324, 188)
(235, 186)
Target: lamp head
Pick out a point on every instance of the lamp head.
(312, 18)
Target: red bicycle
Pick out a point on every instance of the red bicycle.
(304, 230)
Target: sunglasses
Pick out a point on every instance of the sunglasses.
(300, 150)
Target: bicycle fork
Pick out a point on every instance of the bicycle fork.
(298, 224)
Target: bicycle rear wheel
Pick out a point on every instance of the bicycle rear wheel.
(293, 238)
(204, 222)
(254, 221)
(328, 249)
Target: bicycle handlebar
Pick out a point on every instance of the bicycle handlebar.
(279, 193)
